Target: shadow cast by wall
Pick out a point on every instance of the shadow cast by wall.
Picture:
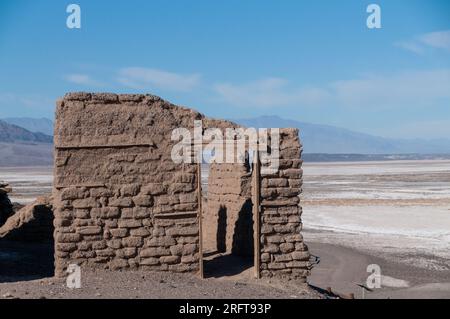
(27, 249)
(243, 232)
(224, 265)
(222, 229)
(21, 261)
(230, 261)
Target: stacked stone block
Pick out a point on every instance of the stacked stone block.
(120, 200)
(128, 227)
(283, 252)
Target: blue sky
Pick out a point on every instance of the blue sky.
(313, 61)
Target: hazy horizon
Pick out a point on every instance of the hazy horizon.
(13, 118)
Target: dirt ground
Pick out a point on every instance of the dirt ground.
(26, 272)
(138, 284)
(342, 268)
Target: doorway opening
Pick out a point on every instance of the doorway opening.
(228, 225)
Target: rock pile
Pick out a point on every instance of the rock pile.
(6, 208)
(32, 223)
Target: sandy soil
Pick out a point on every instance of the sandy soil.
(394, 214)
(137, 284)
(339, 268)
(343, 268)
(225, 278)
(26, 271)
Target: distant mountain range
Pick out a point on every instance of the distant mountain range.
(20, 147)
(334, 140)
(11, 133)
(28, 142)
(41, 125)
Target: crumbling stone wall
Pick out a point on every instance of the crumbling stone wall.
(228, 218)
(283, 252)
(120, 200)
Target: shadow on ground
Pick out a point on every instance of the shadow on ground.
(25, 261)
(226, 265)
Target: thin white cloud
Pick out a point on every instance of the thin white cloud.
(435, 40)
(410, 89)
(439, 40)
(82, 79)
(145, 78)
(268, 92)
(26, 101)
(412, 46)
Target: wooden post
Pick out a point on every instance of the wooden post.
(200, 218)
(256, 214)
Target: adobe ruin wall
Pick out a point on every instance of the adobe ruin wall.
(120, 201)
(283, 251)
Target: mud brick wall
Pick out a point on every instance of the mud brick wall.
(283, 252)
(120, 201)
(228, 219)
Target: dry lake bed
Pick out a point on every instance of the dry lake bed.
(392, 213)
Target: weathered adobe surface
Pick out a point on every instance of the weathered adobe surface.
(283, 252)
(228, 221)
(230, 224)
(32, 223)
(121, 202)
(6, 207)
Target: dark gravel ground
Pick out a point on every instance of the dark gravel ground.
(139, 284)
(26, 271)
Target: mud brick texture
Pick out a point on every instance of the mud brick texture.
(228, 216)
(121, 202)
(283, 252)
